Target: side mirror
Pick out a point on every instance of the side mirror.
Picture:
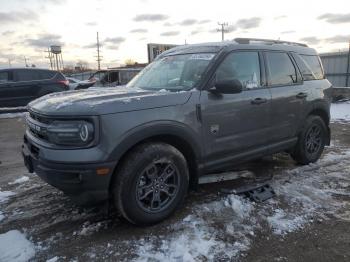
(232, 86)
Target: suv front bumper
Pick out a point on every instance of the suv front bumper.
(80, 181)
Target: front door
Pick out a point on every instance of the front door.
(235, 124)
(7, 95)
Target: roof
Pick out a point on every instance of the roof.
(26, 68)
(241, 43)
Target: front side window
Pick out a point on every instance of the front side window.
(281, 69)
(173, 73)
(242, 66)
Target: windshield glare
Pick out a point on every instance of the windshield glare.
(173, 73)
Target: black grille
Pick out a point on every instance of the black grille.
(38, 125)
(41, 119)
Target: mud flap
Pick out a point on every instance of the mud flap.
(257, 193)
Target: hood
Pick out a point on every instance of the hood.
(99, 101)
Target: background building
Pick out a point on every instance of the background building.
(336, 66)
(154, 50)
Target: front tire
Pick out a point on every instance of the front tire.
(151, 183)
(311, 142)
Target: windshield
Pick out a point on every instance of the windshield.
(173, 73)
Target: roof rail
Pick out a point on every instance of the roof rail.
(266, 41)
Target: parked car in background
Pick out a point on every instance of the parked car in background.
(19, 86)
(114, 77)
(76, 84)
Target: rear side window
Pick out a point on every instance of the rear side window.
(243, 66)
(4, 77)
(310, 67)
(281, 69)
(46, 74)
(27, 75)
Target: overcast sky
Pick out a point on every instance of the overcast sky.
(28, 27)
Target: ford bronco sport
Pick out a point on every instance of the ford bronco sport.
(197, 109)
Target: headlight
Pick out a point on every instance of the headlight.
(72, 133)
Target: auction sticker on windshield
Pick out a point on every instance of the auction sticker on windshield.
(201, 56)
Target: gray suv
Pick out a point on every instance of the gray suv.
(195, 110)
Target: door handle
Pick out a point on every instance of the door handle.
(301, 95)
(258, 101)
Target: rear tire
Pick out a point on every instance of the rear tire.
(151, 183)
(311, 142)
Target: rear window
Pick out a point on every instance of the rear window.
(310, 67)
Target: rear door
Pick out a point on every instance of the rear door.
(27, 85)
(289, 95)
(48, 82)
(234, 124)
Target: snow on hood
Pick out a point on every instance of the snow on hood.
(98, 101)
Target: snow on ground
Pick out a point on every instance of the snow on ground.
(54, 259)
(6, 109)
(303, 195)
(340, 111)
(20, 180)
(196, 236)
(15, 247)
(12, 115)
(4, 195)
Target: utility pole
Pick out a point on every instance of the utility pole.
(348, 68)
(99, 58)
(9, 60)
(25, 61)
(222, 30)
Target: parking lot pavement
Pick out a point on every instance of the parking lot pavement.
(308, 220)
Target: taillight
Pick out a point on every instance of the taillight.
(64, 82)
